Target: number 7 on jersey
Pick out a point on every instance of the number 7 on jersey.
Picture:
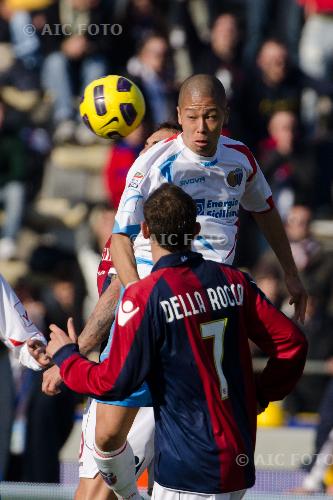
(215, 330)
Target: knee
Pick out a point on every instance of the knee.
(108, 438)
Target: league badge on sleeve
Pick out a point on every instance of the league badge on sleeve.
(136, 179)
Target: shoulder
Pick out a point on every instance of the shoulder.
(154, 157)
(238, 151)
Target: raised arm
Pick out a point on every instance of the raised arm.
(271, 226)
(123, 258)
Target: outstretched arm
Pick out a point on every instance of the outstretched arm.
(271, 226)
(94, 333)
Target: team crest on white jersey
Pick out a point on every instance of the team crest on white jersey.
(126, 312)
(234, 178)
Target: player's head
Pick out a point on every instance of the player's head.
(170, 218)
(163, 131)
(202, 110)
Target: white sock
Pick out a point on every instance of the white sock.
(117, 468)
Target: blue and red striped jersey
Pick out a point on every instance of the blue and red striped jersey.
(185, 330)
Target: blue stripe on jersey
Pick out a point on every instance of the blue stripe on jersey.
(132, 230)
(209, 163)
(141, 260)
(231, 365)
(134, 197)
(166, 167)
(174, 404)
(205, 243)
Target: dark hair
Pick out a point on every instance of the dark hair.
(168, 126)
(170, 214)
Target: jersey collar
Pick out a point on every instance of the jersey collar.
(205, 161)
(185, 258)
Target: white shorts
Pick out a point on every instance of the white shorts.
(140, 438)
(160, 493)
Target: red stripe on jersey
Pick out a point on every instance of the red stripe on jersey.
(16, 343)
(174, 136)
(224, 425)
(271, 205)
(104, 266)
(245, 151)
(245, 361)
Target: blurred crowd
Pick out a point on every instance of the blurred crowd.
(275, 59)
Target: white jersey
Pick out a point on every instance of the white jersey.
(218, 184)
(16, 327)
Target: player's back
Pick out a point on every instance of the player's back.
(202, 382)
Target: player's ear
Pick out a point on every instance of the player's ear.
(145, 230)
(179, 117)
(197, 228)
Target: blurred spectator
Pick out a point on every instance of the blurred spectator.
(119, 160)
(90, 242)
(222, 58)
(139, 19)
(316, 44)
(72, 58)
(305, 249)
(314, 263)
(152, 68)
(288, 163)
(275, 85)
(7, 396)
(316, 53)
(318, 326)
(271, 18)
(19, 95)
(41, 457)
(269, 279)
(11, 189)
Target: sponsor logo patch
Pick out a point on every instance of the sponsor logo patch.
(193, 180)
(218, 209)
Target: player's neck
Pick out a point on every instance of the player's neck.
(158, 252)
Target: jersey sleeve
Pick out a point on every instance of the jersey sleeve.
(280, 339)
(258, 195)
(15, 325)
(129, 362)
(130, 211)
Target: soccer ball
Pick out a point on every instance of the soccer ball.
(112, 106)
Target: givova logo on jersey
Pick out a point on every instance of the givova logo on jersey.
(218, 209)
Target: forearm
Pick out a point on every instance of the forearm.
(123, 259)
(272, 228)
(99, 322)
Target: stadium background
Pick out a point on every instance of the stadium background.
(63, 185)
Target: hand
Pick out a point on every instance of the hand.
(59, 338)
(37, 350)
(298, 294)
(51, 381)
